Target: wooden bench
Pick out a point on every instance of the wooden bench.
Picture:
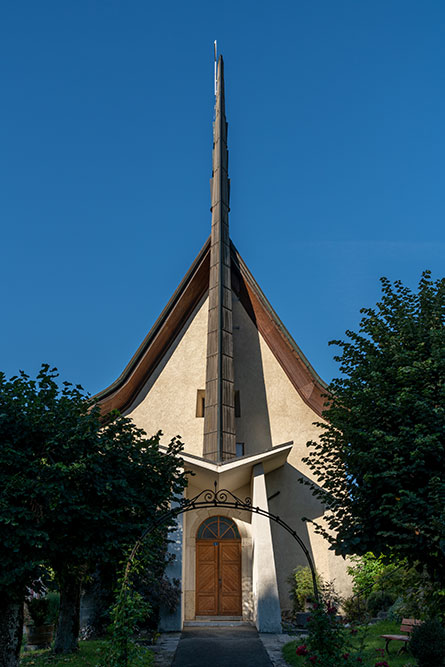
(407, 625)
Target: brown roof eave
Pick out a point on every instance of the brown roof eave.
(303, 376)
(120, 394)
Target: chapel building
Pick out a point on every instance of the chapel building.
(220, 369)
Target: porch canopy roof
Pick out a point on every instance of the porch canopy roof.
(236, 472)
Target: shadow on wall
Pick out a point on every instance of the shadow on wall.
(268, 616)
(252, 426)
(293, 502)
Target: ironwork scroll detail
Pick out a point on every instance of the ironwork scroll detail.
(224, 498)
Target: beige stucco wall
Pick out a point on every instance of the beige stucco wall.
(272, 413)
(167, 402)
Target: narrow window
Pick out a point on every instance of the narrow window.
(200, 402)
(237, 404)
(240, 448)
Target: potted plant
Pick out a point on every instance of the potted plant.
(43, 611)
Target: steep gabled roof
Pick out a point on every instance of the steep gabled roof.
(193, 287)
(217, 270)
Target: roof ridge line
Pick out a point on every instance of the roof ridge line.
(244, 269)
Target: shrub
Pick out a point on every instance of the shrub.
(379, 601)
(428, 644)
(44, 609)
(355, 609)
(53, 607)
(38, 609)
(364, 571)
(398, 611)
(302, 587)
(328, 594)
(327, 639)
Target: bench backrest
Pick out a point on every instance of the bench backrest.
(408, 624)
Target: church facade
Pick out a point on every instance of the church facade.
(220, 369)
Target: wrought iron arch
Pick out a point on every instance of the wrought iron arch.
(224, 498)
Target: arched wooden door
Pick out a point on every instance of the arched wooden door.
(218, 568)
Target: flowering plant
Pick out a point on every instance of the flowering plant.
(328, 640)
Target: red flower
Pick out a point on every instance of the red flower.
(354, 631)
(313, 659)
(345, 656)
(332, 610)
(301, 650)
(382, 663)
(359, 659)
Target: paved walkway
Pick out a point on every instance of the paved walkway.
(165, 648)
(221, 647)
(274, 647)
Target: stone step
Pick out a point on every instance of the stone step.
(218, 618)
(216, 623)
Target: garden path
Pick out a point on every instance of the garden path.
(221, 647)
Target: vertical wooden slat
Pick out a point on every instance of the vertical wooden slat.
(219, 423)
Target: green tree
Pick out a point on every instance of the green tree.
(379, 463)
(95, 485)
(22, 540)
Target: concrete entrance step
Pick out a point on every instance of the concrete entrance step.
(216, 622)
(218, 618)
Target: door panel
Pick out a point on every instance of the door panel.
(230, 578)
(218, 578)
(206, 578)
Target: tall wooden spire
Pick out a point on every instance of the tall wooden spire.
(219, 418)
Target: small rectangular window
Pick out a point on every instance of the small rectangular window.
(200, 402)
(240, 448)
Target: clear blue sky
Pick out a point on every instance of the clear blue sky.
(336, 117)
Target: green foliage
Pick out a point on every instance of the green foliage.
(379, 582)
(38, 610)
(302, 587)
(421, 598)
(382, 449)
(365, 571)
(44, 609)
(364, 643)
(148, 576)
(326, 640)
(328, 643)
(428, 644)
(128, 611)
(329, 594)
(379, 601)
(22, 437)
(91, 653)
(75, 490)
(355, 609)
(53, 606)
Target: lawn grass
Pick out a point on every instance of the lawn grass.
(91, 653)
(373, 641)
